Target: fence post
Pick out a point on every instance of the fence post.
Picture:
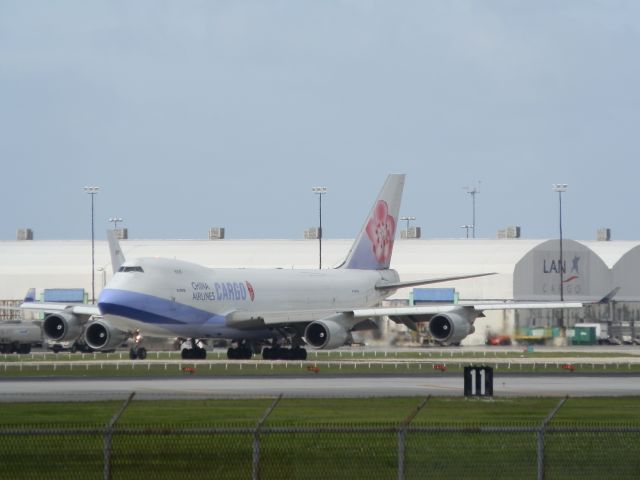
(540, 438)
(540, 453)
(108, 434)
(255, 463)
(402, 434)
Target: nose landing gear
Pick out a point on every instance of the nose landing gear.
(137, 351)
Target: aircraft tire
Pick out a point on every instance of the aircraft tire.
(133, 354)
(142, 353)
(283, 354)
(186, 354)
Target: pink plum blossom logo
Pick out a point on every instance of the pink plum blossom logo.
(252, 292)
(381, 230)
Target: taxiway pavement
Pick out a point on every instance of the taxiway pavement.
(66, 389)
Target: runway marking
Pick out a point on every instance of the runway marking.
(438, 387)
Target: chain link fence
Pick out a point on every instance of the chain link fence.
(321, 452)
(371, 451)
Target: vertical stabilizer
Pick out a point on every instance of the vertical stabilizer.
(374, 244)
(30, 296)
(117, 257)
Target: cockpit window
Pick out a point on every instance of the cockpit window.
(130, 269)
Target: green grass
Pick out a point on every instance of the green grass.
(445, 411)
(438, 411)
(591, 411)
(155, 452)
(196, 413)
(57, 414)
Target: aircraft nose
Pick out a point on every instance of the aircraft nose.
(113, 302)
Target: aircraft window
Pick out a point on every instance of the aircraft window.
(130, 269)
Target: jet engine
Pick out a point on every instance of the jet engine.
(61, 326)
(326, 334)
(450, 328)
(99, 335)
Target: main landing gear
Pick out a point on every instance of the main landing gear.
(292, 351)
(193, 349)
(242, 352)
(279, 353)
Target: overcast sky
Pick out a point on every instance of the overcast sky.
(192, 114)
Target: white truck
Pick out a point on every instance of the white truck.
(19, 337)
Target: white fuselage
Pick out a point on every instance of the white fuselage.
(172, 297)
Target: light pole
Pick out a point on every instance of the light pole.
(466, 227)
(473, 191)
(407, 219)
(320, 191)
(93, 191)
(560, 188)
(115, 221)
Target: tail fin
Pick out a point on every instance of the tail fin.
(117, 257)
(373, 246)
(30, 296)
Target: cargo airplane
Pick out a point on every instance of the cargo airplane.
(275, 312)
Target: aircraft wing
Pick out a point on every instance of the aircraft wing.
(29, 303)
(449, 324)
(479, 307)
(413, 283)
(428, 310)
(48, 307)
(250, 320)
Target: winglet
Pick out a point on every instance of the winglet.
(609, 296)
(373, 247)
(30, 297)
(117, 257)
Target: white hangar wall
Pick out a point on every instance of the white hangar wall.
(67, 264)
(523, 268)
(536, 276)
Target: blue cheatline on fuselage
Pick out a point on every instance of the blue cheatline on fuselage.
(153, 310)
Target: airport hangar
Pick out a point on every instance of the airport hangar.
(525, 270)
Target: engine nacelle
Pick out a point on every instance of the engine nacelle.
(326, 334)
(450, 328)
(62, 326)
(99, 335)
